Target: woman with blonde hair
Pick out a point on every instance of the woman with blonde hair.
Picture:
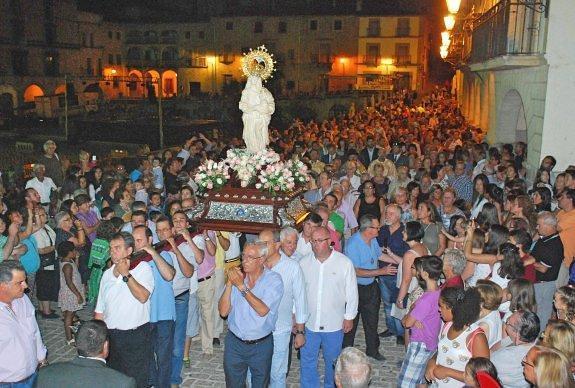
(546, 367)
(564, 302)
(560, 335)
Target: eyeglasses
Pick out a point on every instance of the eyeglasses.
(525, 362)
(508, 324)
(246, 259)
(319, 241)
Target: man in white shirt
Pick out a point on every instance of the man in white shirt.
(293, 300)
(42, 184)
(181, 284)
(124, 304)
(522, 329)
(331, 291)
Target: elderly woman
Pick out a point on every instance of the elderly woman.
(453, 265)
(48, 275)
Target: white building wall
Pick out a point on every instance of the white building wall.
(558, 129)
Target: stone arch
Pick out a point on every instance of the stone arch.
(151, 81)
(511, 121)
(33, 91)
(94, 88)
(9, 93)
(135, 83)
(60, 89)
(169, 83)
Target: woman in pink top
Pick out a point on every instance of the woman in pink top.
(423, 321)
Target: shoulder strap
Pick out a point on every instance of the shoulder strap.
(472, 337)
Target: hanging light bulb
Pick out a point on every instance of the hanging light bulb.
(445, 38)
(453, 5)
(449, 21)
(443, 51)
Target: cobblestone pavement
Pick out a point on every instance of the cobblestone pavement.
(209, 372)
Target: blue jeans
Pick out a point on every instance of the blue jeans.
(179, 337)
(330, 343)
(280, 360)
(26, 383)
(162, 336)
(239, 357)
(389, 293)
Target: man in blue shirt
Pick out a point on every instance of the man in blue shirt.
(390, 238)
(293, 304)
(162, 308)
(364, 252)
(251, 305)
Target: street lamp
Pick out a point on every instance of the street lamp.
(449, 21)
(342, 60)
(445, 38)
(453, 6)
(443, 51)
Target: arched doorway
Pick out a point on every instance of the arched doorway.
(61, 89)
(511, 122)
(169, 83)
(32, 92)
(151, 78)
(8, 100)
(135, 85)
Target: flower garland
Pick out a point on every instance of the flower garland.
(264, 169)
(212, 175)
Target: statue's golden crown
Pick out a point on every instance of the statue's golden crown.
(258, 62)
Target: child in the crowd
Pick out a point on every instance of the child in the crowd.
(489, 317)
(71, 295)
(423, 321)
(481, 373)
(141, 193)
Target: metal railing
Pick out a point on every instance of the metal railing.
(509, 28)
(402, 60)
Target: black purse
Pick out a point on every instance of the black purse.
(48, 259)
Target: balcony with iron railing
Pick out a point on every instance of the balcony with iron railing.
(370, 60)
(510, 34)
(402, 60)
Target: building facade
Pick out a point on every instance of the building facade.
(515, 74)
(48, 44)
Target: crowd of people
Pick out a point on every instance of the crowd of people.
(408, 208)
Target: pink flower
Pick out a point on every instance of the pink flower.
(210, 185)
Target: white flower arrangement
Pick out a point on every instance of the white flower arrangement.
(212, 175)
(264, 169)
(276, 178)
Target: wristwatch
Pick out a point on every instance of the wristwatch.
(245, 291)
(126, 278)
